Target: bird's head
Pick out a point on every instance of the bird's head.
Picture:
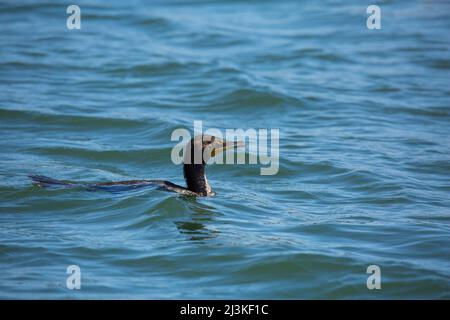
(198, 151)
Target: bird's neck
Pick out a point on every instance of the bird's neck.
(196, 179)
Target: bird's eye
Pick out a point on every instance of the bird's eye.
(213, 138)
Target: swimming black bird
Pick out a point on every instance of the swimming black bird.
(197, 152)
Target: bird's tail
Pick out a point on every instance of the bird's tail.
(44, 181)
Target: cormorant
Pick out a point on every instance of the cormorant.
(197, 152)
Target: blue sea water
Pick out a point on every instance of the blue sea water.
(364, 120)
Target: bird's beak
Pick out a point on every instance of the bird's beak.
(221, 146)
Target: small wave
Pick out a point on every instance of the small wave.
(150, 69)
(433, 111)
(27, 7)
(128, 156)
(244, 98)
(70, 120)
(443, 64)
